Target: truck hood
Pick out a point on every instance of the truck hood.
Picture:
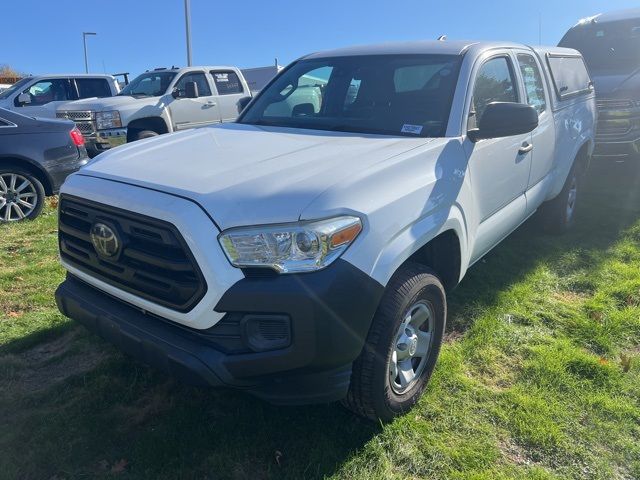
(109, 103)
(244, 174)
(625, 85)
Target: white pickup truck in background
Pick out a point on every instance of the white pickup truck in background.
(161, 101)
(41, 95)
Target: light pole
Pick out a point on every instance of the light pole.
(84, 42)
(187, 20)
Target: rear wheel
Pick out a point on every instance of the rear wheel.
(402, 346)
(559, 214)
(21, 195)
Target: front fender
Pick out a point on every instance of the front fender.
(416, 236)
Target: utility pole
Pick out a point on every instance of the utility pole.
(84, 42)
(187, 20)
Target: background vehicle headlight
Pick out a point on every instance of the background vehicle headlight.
(290, 248)
(106, 120)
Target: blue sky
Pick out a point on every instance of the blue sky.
(46, 36)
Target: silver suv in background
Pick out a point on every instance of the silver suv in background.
(41, 95)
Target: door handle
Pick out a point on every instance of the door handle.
(525, 148)
(213, 104)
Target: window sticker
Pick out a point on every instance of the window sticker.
(415, 129)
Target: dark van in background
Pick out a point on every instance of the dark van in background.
(610, 44)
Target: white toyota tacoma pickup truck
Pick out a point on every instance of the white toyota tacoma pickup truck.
(304, 252)
(160, 101)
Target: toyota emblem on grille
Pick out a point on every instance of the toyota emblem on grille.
(105, 240)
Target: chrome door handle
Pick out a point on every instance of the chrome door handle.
(525, 148)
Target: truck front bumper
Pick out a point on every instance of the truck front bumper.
(103, 140)
(324, 320)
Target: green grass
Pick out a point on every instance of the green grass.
(539, 377)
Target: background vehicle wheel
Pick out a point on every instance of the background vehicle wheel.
(558, 214)
(21, 195)
(145, 134)
(402, 345)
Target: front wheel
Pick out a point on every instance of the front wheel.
(145, 134)
(21, 195)
(402, 346)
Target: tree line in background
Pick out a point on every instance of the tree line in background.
(10, 75)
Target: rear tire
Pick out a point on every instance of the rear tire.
(21, 195)
(559, 214)
(145, 134)
(402, 346)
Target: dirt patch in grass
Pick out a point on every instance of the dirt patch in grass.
(514, 453)
(50, 363)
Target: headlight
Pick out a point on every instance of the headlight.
(291, 248)
(105, 120)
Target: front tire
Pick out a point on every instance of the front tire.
(142, 134)
(402, 346)
(21, 195)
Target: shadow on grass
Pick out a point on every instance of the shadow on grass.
(610, 203)
(125, 417)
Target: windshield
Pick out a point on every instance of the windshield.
(150, 84)
(14, 88)
(407, 95)
(613, 46)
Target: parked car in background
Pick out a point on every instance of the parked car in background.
(160, 101)
(4, 87)
(610, 44)
(39, 96)
(304, 253)
(36, 155)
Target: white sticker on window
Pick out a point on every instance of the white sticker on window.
(415, 129)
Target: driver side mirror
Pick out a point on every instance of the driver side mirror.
(242, 103)
(191, 90)
(505, 119)
(24, 99)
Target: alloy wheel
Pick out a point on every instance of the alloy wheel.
(18, 197)
(572, 195)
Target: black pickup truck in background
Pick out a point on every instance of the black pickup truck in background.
(610, 44)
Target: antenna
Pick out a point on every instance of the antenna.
(442, 38)
(539, 28)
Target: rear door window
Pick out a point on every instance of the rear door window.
(93, 87)
(570, 75)
(533, 83)
(227, 82)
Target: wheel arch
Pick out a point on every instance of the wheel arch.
(156, 124)
(582, 155)
(436, 241)
(30, 166)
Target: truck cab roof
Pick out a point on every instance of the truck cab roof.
(446, 47)
(71, 75)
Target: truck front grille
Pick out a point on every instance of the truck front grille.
(618, 128)
(83, 119)
(613, 104)
(152, 261)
